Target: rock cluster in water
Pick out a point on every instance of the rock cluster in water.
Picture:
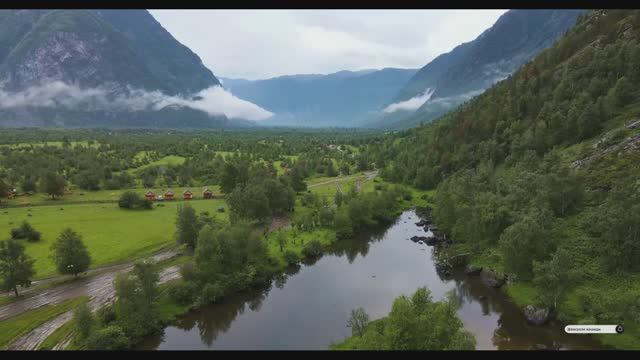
(492, 278)
(536, 316)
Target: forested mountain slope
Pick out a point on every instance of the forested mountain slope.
(538, 176)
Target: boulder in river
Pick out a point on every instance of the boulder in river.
(536, 316)
(431, 241)
(472, 270)
(443, 268)
(423, 222)
(492, 278)
(418, 238)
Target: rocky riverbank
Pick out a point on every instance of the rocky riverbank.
(448, 261)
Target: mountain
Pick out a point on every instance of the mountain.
(472, 67)
(538, 176)
(338, 99)
(96, 68)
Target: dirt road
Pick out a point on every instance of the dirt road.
(92, 286)
(101, 293)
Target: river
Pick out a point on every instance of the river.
(308, 308)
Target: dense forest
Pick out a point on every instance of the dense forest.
(538, 176)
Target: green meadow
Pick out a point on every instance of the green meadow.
(111, 234)
(83, 196)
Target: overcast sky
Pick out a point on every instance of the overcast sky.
(259, 44)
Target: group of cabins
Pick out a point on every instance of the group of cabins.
(170, 195)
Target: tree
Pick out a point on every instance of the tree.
(358, 321)
(129, 200)
(136, 302)
(522, 243)
(83, 321)
(15, 266)
(28, 184)
(414, 323)
(249, 202)
(187, 226)
(621, 219)
(88, 179)
(70, 254)
(53, 184)
(297, 180)
(555, 277)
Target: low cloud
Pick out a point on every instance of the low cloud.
(410, 105)
(214, 100)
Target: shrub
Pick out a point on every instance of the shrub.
(108, 338)
(312, 249)
(16, 233)
(25, 231)
(129, 200)
(34, 236)
(106, 315)
(291, 257)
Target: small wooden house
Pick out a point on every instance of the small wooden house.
(207, 194)
(150, 195)
(168, 195)
(187, 195)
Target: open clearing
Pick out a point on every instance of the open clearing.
(111, 234)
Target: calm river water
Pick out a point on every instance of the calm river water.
(308, 308)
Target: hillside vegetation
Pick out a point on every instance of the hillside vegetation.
(539, 178)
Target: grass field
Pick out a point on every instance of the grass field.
(171, 160)
(11, 329)
(110, 233)
(50, 143)
(83, 196)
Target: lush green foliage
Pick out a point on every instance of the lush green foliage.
(414, 323)
(16, 267)
(70, 254)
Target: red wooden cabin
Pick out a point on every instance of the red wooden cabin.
(168, 195)
(207, 194)
(150, 195)
(187, 195)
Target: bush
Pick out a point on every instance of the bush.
(83, 321)
(34, 236)
(183, 293)
(25, 231)
(16, 233)
(106, 315)
(312, 249)
(129, 200)
(108, 338)
(291, 257)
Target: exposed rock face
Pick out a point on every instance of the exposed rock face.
(536, 316)
(492, 278)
